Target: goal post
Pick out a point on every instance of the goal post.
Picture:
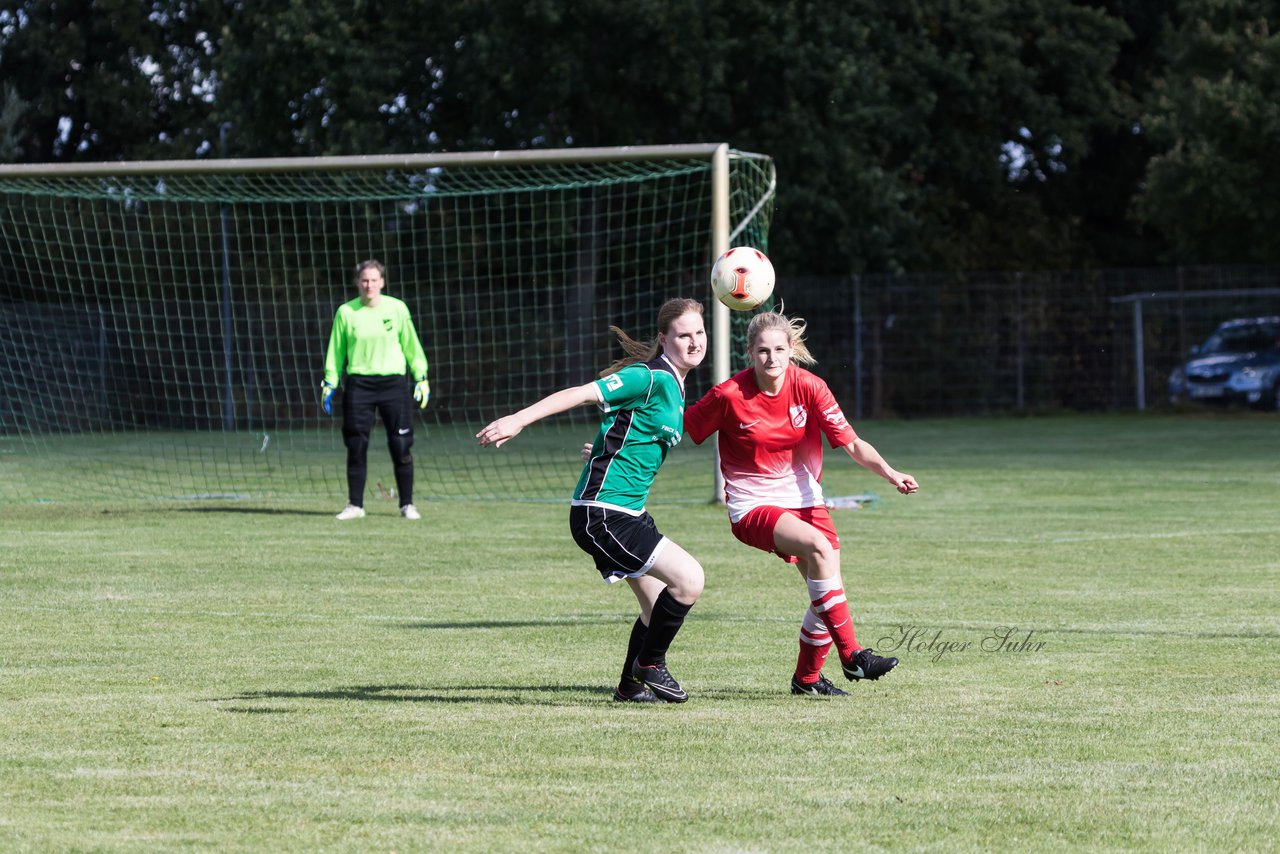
(165, 323)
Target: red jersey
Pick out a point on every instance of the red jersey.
(770, 446)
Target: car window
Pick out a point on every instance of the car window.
(1240, 340)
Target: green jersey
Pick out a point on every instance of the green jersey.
(644, 418)
(375, 341)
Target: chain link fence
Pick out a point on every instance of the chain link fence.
(969, 344)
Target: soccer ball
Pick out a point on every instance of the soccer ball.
(742, 278)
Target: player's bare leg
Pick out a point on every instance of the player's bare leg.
(819, 563)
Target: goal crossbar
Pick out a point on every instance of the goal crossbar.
(351, 163)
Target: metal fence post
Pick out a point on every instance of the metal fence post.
(1139, 360)
(1021, 378)
(857, 347)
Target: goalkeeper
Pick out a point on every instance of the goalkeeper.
(374, 341)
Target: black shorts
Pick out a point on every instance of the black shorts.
(624, 546)
(365, 396)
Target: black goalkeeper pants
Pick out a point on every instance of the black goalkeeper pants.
(389, 398)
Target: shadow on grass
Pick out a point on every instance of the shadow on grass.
(548, 623)
(534, 695)
(256, 511)
(622, 619)
(248, 710)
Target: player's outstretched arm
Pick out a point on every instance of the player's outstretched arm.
(865, 455)
(506, 428)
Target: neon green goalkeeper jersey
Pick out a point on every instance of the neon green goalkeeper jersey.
(376, 341)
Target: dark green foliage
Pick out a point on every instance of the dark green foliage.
(107, 79)
(924, 135)
(1213, 184)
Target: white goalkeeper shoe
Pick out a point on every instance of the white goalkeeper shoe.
(408, 511)
(350, 512)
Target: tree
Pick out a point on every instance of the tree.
(319, 77)
(12, 109)
(107, 79)
(1213, 187)
(925, 134)
(887, 121)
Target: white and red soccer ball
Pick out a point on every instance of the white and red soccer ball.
(742, 278)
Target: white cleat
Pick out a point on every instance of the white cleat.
(350, 512)
(408, 511)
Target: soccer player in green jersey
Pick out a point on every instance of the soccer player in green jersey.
(374, 341)
(642, 399)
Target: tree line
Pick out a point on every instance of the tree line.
(920, 135)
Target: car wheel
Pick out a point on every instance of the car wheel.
(1270, 399)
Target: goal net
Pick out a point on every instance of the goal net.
(164, 325)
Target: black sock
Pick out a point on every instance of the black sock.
(664, 622)
(638, 631)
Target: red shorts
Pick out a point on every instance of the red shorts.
(756, 528)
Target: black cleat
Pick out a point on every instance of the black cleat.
(865, 664)
(640, 694)
(660, 681)
(821, 688)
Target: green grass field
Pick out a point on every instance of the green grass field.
(254, 676)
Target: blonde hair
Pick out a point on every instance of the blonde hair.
(638, 351)
(766, 321)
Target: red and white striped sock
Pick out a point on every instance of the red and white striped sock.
(815, 643)
(827, 597)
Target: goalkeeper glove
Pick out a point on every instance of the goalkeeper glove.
(326, 398)
(422, 393)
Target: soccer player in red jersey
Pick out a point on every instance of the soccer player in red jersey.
(771, 418)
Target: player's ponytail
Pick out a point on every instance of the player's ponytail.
(638, 351)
